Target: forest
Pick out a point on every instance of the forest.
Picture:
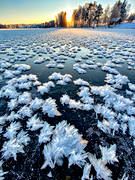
(89, 15)
(93, 14)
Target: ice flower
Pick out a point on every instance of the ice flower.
(51, 64)
(84, 66)
(36, 104)
(12, 104)
(45, 133)
(22, 79)
(110, 70)
(65, 99)
(8, 74)
(130, 110)
(78, 69)
(36, 83)
(24, 86)
(61, 82)
(21, 67)
(60, 66)
(39, 61)
(77, 159)
(81, 82)
(13, 116)
(55, 76)
(5, 65)
(9, 92)
(131, 86)
(89, 62)
(64, 144)
(104, 126)
(73, 104)
(131, 125)
(34, 123)
(102, 171)
(24, 98)
(86, 171)
(123, 127)
(105, 112)
(45, 88)
(102, 90)
(13, 146)
(25, 112)
(67, 78)
(116, 79)
(93, 66)
(11, 131)
(50, 108)
(3, 119)
(32, 77)
(109, 154)
(87, 107)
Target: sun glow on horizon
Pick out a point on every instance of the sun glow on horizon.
(69, 15)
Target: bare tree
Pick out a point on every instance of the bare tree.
(61, 20)
(106, 15)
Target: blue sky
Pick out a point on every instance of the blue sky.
(37, 11)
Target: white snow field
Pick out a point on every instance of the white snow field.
(126, 25)
(67, 104)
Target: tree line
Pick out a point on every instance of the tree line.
(93, 14)
(89, 15)
(50, 24)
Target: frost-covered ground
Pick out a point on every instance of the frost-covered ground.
(67, 104)
(126, 25)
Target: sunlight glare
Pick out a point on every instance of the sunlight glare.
(69, 15)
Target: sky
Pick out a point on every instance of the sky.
(39, 11)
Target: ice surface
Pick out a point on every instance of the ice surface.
(83, 76)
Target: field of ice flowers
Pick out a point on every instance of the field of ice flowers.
(67, 104)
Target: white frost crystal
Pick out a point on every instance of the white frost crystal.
(36, 104)
(45, 133)
(34, 123)
(25, 112)
(66, 142)
(81, 82)
(100, 168)
(24, 98)
(109, 154)
(45, 88)
(12, 130)
(50, 108)
(15, 145)
(86, 171)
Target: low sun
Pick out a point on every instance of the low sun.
(69, 15)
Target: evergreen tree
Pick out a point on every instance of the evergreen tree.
(91, 14)
(115, 13)
(120, 10)
(124, 9)
(98, 13)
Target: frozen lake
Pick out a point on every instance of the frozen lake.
(51, 79)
